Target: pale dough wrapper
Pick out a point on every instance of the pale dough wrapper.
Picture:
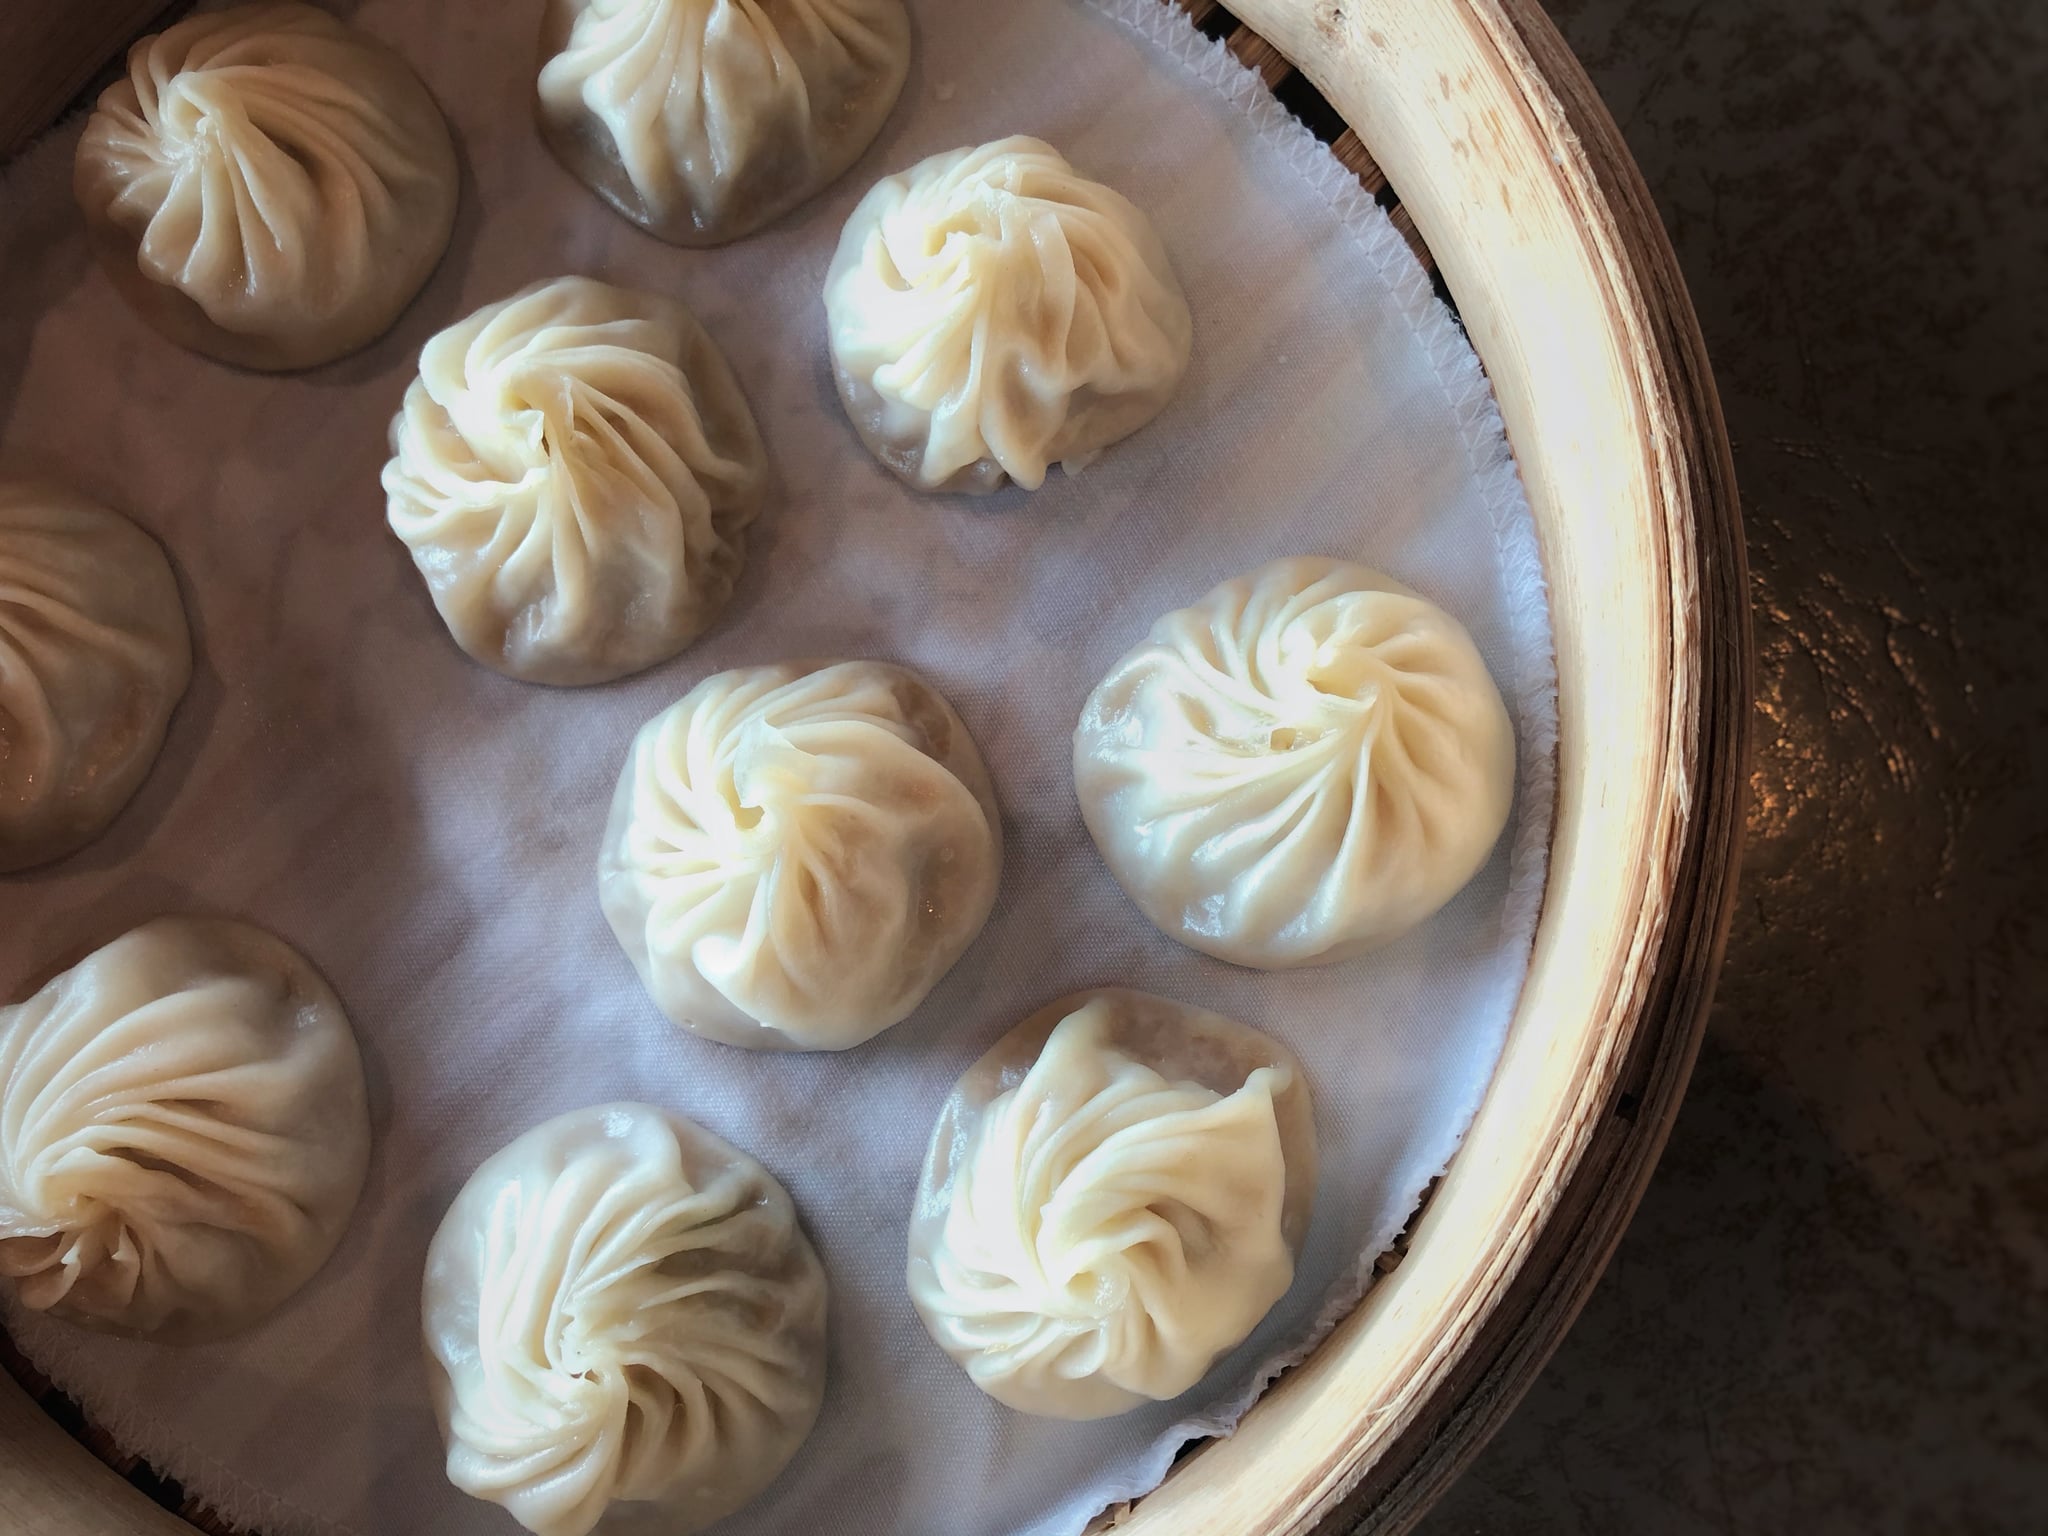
(702, 120)
(94, 656)
(991, 312)
(1302, 766)
(183, 1132)
(797, 853)
(574, 471)
(267, 186)
(1114, 1197)
(625, 1326)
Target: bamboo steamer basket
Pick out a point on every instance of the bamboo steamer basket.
(1474, 126)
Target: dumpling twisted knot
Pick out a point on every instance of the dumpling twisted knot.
(283, 181)
(183, 1132)
(574, 470)
(1110, 1232)
(797, 853)
(1303, 765)
(621, 1307)
(94, 656)
(702, 120)
(992, 311)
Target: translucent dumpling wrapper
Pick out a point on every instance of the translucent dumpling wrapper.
(94, 656)
(574, 471)
(1304, 765)
(991, 312)
(625, 1326)
(267, 185)
(797, 853)
(702, 120)
(183, 1132)
(1114, 1197)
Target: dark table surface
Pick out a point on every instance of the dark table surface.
(1831, 1311)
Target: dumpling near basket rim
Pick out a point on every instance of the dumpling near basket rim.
(1114, 1196)
(267, 185)
(184, 1132)
(1301, 766)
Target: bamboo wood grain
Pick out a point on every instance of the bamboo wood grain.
(1351, 153)
(1512, 176)
(1517, 179)
(50, 1485)
(1256, 54)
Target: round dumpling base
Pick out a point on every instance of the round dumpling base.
(992, 312)
(797, 853)
(279, 113)
(1301, 767)
(183, 1132)
(622, 1314)
(574, 471)
(94, 657)
(1114, 1196)
(798, 91)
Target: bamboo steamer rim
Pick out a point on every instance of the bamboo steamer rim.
(1516, 186)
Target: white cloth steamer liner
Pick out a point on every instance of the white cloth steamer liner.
(427, 832)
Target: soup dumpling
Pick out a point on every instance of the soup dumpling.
(94, 656)
(620, 1309)
(702, 120)
(574, 471)
(797, 853)
(183, 1132)
(991, 312)
(267, 185)
(1115, 1195)
(1302, 766)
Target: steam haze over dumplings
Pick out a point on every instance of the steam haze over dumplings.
(702, 120)
(183, 1132)
(94, 656)
(620, 1309)
(574, 471)
(1302, 766)
(267, 185)
(797, 853)
(991, 312)
(1114, 1196)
